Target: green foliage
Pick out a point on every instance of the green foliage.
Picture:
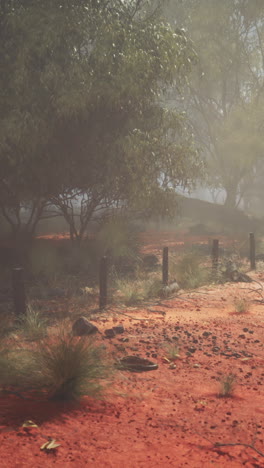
(83, 126)
(224, 92)
(33, 325)
(18, 370)
(189, 271)
(172, 351)
(117, 237)
(63, 366)
(131, 292)
(71, 367)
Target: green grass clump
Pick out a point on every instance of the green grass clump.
(64, 367)
(33, 325)
(71, 367)
(242, 305)
(132, 292)
(172, 351)
(18, 370)
(227, 385)
(189, 271)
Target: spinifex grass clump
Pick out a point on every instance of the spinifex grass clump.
(172, 352)
(33, 325)
(227, 385)
(132, 292)
(189, 271)
(70, 367)
(242, 305)
(17, 368)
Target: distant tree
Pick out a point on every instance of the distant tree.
(82, 114)
(224, 93)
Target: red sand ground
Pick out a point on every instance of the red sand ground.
(167, 417)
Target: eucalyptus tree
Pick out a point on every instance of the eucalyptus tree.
(224, 95)
(83, 124)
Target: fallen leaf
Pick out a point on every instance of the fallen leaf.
(29, 423)
(50, 445)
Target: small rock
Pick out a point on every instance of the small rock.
(119, 329)
(82, 326)
(110, 333)
(206, 334)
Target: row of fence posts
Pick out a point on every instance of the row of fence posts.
(19, 293)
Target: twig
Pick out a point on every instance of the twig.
(220, 444)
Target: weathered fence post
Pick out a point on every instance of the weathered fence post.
(103, 282)
(252, 251)
(215, 254)
(19, 291)
(165, 265)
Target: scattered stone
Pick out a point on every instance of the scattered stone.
(206, 334)
(82, 326)
(110, 333)
(119, 329)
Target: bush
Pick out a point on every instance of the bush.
(18, 371)
(132, 292)
(64, 367)
(189, 271)
(33, 325)
(227, 385)
(242, 305)
(71, 367)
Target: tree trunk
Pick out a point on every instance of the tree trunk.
(231, 197)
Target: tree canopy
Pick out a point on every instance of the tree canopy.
(224, 93)
(82, 113)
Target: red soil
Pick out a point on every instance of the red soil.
(172, 416)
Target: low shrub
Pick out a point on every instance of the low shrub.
(227, 385)
(189, 271)
(33, 325)
(241, 305)
(132, 292)
(71, 367)
(63, 367)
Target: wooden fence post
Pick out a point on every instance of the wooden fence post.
(19, 291)
(103, 282)
(252, 251)
(215, 254)
(165, 265)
